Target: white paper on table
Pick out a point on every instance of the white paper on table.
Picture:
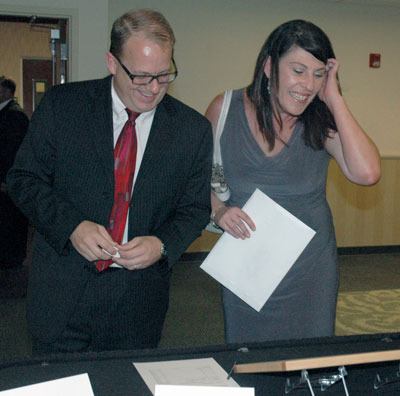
(252, 268)
(74, 385)
(184, 372)
(187, 390)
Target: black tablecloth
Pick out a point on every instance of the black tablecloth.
(113, 373)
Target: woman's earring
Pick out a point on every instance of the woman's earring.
(269, 87)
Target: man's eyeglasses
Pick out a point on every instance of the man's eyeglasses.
(144, 79)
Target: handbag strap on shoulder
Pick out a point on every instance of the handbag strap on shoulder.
(220, 126)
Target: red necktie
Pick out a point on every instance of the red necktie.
(124, 169)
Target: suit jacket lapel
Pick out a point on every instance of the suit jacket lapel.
(161, 136)
(7, 107)
(102, 126)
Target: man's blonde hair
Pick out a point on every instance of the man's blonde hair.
(149, 22)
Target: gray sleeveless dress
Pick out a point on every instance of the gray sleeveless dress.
(304, 303)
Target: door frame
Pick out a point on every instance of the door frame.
(69, 14)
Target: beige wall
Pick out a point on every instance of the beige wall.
(366, 216)
(217, 44)
(14, 49)
(218, 41)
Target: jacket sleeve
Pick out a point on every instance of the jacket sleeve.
(192, 212)
(30, 182)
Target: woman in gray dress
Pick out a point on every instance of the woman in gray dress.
(279, 136)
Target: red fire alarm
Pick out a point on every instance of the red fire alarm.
(375, 60)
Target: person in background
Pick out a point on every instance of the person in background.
(280, 133)
(13, 224)
(115, 176)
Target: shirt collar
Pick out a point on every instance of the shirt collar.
(5, 103)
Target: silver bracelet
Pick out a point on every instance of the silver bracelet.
(213, 223)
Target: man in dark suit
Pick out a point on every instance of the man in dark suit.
(13, 224)
(67, 179)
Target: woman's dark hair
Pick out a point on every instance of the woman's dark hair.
(317, 118)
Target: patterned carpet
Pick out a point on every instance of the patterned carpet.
(363, 312)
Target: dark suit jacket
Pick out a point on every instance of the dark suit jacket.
(13, 126)
(63, 174)
(13, 224)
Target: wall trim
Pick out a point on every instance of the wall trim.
(369, 250)
(342, 251)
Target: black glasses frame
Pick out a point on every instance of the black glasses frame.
(171, 76)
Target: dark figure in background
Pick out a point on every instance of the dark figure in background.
(279, 136)
(13, 224)
(64, 179)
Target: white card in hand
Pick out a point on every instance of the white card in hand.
(252, 268)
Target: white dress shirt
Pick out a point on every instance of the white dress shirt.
(143, 126)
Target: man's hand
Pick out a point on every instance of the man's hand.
(92, 241)
(139, 253)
